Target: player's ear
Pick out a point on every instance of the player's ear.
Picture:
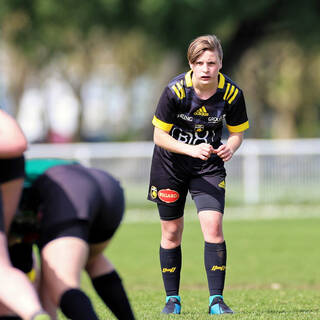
(190, 65)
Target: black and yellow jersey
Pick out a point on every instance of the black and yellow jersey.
(192, 120)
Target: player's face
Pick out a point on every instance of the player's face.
(206, 68)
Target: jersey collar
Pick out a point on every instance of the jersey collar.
(222, 81)
(188, 79)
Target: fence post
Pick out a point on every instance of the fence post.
(251, 174)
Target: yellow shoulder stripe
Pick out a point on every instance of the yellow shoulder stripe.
(239, 128)
(227, 90)
(231, 91)
(233, 97)
(161, 124)
(179, 90)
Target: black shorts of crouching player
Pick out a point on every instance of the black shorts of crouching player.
(173, 175)
(11, 169)
(80, 202)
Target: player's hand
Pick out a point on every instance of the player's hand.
(224, 152)
(202, 151)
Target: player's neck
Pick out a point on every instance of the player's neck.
(205, 91)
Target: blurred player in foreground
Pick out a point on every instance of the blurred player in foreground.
(75, 211)
(189, 156)
(16, 291)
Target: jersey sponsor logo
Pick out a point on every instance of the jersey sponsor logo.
(216, 119)
(179, 90)
(222, 184)
(168, 195)
(185, 117)
(220, 268)
(193, 138)
(153, 192)
(199, 127)
(171, 270)
(201, 112)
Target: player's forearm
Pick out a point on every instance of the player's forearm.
(165, 141)
(234, 141)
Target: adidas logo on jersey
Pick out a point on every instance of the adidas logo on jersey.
(222, 184)
(201, 112)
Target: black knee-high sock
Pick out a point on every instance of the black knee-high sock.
(77, 306)
(170, 261)
(215, 258)
(110, 289)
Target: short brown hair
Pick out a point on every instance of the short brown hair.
(201, 44)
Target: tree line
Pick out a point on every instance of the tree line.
(271, 49)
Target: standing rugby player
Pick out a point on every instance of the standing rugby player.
(189, 156)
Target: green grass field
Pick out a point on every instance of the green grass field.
(272, 271)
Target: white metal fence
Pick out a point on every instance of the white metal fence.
(262, 171)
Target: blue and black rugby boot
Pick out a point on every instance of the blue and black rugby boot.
(173, 305)
(217, 305)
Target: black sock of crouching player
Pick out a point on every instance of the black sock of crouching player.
(110, 289)
(77, 306)
(170, 261)
(215, 257)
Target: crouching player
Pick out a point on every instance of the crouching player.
(77, 211)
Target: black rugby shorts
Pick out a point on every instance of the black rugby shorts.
(169, 186)
(78, 201)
